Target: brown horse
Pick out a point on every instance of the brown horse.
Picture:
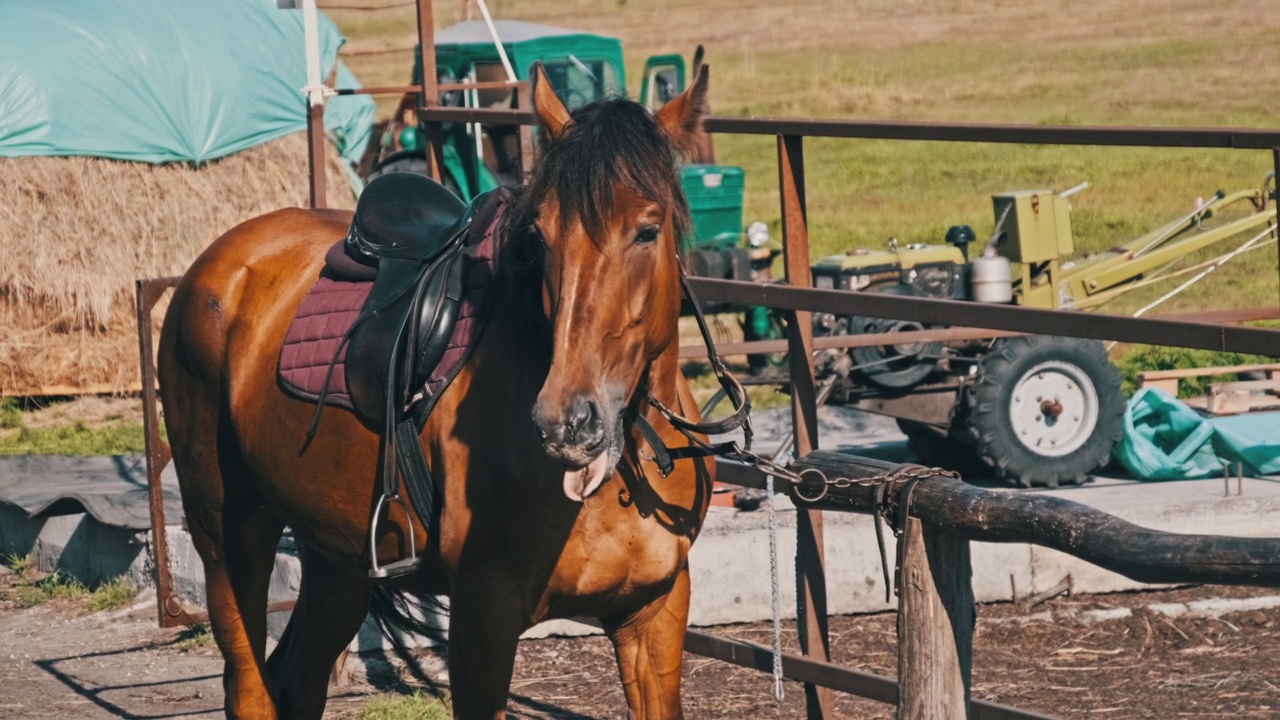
(550, 505)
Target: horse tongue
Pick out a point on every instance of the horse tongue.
(581, 483)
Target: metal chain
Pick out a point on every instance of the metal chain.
(779, 690)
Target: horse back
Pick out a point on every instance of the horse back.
(253, 274)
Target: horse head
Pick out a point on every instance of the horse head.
(606, 203)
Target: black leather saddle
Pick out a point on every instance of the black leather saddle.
(413, 231)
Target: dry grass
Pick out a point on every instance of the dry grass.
(75, 233)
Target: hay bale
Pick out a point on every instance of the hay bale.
(75, 233)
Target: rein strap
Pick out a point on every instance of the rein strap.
(663, 456)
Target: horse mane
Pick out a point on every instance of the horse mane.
(607, 143)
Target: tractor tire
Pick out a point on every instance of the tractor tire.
(938, 449)
(1045, 411)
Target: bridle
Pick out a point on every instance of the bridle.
(665, 457)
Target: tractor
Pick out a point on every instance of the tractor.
(1035, 410)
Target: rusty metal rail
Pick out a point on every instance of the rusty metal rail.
(1178, 333)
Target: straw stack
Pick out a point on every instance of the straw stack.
(75, 233)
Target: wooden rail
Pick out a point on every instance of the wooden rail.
(936, 608)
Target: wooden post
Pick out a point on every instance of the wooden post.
(811, 581)
(430, 88)
(524, 101)
(315, 154)
(935, 625)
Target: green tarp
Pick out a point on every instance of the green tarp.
(162, 80)
(1164, 439)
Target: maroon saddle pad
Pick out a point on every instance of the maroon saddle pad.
(333, 304)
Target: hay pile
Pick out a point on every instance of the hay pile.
(75, 233)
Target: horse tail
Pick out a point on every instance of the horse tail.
(400, 614)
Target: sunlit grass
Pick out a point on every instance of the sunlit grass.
(409, 707)
(77, 438)
(29, 587)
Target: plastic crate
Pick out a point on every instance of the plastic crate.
(715, 201)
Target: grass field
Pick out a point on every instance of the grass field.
(1145, 62)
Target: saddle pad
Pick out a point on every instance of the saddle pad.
(332, 305)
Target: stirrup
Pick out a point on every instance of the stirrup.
(400, 567)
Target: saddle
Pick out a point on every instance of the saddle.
(409, 236)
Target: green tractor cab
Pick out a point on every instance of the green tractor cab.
(583, 68)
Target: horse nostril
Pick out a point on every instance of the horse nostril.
(584, 419)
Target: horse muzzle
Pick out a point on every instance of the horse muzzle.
(583, 438)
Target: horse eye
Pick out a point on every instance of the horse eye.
(647, 234)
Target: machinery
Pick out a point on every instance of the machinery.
(1035, 410)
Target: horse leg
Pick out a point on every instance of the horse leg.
(649, 645)
(332, 603)
(486, 617)
(238, 559)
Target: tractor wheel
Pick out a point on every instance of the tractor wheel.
(936, 448)
(1045, 410)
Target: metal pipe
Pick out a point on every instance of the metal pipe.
(1202, 274)
(1178, 224)
(497, 42)
(1068, 193)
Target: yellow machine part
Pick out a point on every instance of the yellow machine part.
(904, 258)
(1038, 225)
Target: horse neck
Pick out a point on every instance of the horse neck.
(662, 379)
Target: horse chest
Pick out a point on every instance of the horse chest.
(615, 552)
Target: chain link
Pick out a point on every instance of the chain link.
(779, 688)
(814, 476)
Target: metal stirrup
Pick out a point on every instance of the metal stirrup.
(399, 567)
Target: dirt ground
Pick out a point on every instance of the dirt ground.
(58, 663)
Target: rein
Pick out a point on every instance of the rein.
(665, 457)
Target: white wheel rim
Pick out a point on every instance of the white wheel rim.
(1054, 408)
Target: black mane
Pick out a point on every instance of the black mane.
(607, 143)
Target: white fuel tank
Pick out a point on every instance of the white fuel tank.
(991, 279)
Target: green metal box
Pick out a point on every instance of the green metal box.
(1038, 225)
(715, 200)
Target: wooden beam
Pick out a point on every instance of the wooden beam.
(974, 513)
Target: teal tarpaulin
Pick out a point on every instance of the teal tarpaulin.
(162, 80)
(1164, 439)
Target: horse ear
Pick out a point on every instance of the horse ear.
(552, 115)
(681, 118)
